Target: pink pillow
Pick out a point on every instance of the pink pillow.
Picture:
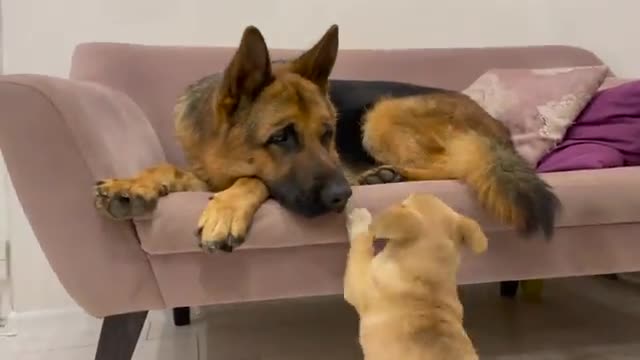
(537, 105)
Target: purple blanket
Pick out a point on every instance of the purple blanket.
(606, 134)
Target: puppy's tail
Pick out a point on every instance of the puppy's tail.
(505, 184)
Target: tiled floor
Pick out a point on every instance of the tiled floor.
(578, 319)
(74, 337)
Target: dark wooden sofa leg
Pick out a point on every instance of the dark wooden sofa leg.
(119, 336)
(181, 316)
(509, 289)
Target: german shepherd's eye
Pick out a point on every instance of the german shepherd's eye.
(285, 137)
(279, 137)
(326, 136)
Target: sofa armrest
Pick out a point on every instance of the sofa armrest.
(58, 137)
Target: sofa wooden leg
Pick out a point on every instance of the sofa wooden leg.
(181, 316)
(509, 289)
(119, 336)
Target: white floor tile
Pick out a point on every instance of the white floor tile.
(55, 330)
(160, 326)
(8, 348)
(166, 349)
(182, 348)
(82, 353)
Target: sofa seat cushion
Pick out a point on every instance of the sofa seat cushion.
(589, 198)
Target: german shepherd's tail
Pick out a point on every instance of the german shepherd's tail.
(505, 184)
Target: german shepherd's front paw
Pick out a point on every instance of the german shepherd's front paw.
(224, 224)
(124, 199)
(381, 175)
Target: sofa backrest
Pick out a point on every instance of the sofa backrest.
(154, 76)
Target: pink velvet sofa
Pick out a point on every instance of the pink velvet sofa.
(112, 118)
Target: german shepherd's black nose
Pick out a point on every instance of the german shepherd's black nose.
(335, 194)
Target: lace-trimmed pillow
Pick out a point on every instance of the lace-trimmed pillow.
(537, 105)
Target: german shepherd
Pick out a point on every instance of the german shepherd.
(282, 129)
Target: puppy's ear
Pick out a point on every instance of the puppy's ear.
(471, 235)
(248, 73)
(317, 63)
(397, 224)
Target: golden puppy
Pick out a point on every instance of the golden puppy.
(406, 295)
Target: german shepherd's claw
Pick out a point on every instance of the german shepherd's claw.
(235, 241)
(223, 246)
(227, 246)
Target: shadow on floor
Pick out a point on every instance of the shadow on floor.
(579, 318)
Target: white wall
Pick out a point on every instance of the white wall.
(39, 36)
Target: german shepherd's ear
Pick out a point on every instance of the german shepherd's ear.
(248, 73)
(471, 235)
(317, 63)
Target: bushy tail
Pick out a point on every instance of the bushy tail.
(506, 185)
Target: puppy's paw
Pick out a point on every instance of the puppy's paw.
(358, 222)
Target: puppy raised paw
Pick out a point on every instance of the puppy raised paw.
(358, 221)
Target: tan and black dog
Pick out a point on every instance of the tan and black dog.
(281, 129)
(406, 296)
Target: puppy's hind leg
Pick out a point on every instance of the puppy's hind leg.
(357, 276)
